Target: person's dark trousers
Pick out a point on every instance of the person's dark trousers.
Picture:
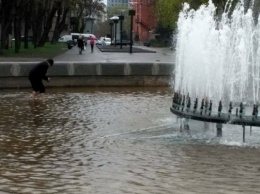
(92, 48)
(81, 49)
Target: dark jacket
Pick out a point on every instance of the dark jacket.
(39, 71)
(80, 43)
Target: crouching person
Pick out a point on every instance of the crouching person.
(37, 74)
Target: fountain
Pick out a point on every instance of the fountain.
(218, 62)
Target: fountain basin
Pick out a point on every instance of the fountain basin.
(15, 74)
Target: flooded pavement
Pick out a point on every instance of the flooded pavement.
(116, 141)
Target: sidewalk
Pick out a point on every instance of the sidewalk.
(159, 55)
(95, 69)
(165, 55)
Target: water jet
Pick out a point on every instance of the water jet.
(218, 60)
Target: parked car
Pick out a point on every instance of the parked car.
(70, 44)
(106, 41)
(99, 41)
(74, 37)
(30, 38)
(65, 38)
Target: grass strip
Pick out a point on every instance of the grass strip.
(48, 51)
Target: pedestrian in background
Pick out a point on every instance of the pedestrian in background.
(92, 42)
(80, 44)
(37, 74)
(85, 42)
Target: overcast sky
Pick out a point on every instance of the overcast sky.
(105, 1)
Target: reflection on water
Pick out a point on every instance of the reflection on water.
(117, 140)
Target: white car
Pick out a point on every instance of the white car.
(65, 38)
(99, 41)
(106, 41)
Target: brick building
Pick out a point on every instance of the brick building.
(145, 20)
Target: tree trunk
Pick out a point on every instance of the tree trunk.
(7, 15)
(47, 27)
(60, 25)
(17, 34)
(19, 5)
(38, 18)
(27, 21)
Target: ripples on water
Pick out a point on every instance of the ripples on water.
(117, 140)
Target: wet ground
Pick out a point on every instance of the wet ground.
(165, 55)
(156, 55)
(117, 141)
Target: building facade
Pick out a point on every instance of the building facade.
(112, 3)
(144, 21)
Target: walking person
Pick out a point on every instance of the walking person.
(80, 44)
(92, 42)
(37, 74)
(85, 42)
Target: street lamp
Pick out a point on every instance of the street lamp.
(115, 20)
(111, 29)
(131, 13)
(121, 18)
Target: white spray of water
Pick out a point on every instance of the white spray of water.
(218, 59)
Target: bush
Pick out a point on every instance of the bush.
(161, 43)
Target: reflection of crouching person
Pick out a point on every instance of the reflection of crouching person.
(37, 74)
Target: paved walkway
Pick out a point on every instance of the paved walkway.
(161, 55)
(165, 55)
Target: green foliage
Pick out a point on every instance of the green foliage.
(160, 43)
(83, 8)
(42, 16)
(116, 10)
(168, 11)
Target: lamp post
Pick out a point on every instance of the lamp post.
(121, 18)
(111, 29)
(131, 13)
(115, 20)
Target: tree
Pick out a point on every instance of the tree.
(256, 10)
(50, 8)
(27, 22)
(168, 10)
(7, 15)
(84, 8)
(38, 13)
(62, 7)
(19, 8)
